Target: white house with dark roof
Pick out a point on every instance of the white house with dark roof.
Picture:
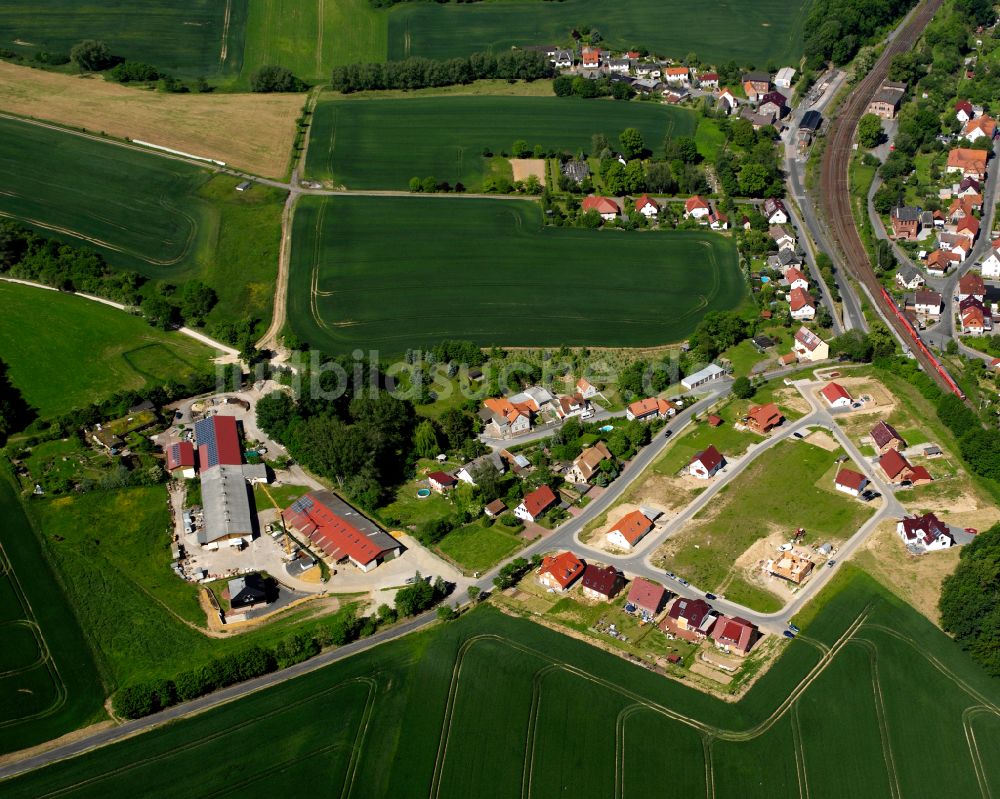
(925, 533)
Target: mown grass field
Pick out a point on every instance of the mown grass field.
(187, 38)
(391, 273)
(48, 682)
(140, 620)
(356, 141)
(565, 718)
(311, 38)
(66, 352)
(163, 218)
(747, 33)
(477, 548)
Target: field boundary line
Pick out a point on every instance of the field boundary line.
(800, 753)
(43, 650)
(528, 771)
(882, 716)
(224, 50)
(974, 753)
(706, 748)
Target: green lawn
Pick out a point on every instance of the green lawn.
(162, 218)
(709, 138)
(183, 37)
(787, 487)
(392, 273)
(548, 699)
(48, 681)
(111, 551)
(477, 548)
(725, 438)
(66, 352)
(279, 497)
(311, 38)
(355, 141)
(750, 33)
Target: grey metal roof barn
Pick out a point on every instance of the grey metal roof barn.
(225, 496)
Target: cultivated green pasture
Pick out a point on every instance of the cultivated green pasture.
(370, 143)
(67, 352)
(187, 38)
(716, 32)
(48, 683)
(839, 713)
(311, 38)
(391, 273)
(161, 217)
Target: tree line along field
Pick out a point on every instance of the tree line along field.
(67, 352)
(391, 273)
(717, 32)
(161, 217)
(357, 142)
(844, 711)
(48, 681)
(187, 38)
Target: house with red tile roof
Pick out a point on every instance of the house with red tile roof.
(710, 79)
(727, 100)
(925, 533)
(970, 163)
(677, 75)
(696, 208)
(647, 596)
(606, 207)
(559, 572)
(706, 463)
(649, 408)
(764, 418)
(505, 419)
(441, 481)
(536, 503)
(801, 305)
(629, 530)
(979, 128)
(588, 463)
(647, 206)
(591, 57)
(796, 279)
(964, 111)
(735, 635)
(850, 482)
(971, 285)
(885, 437)
(585, 388)
(974, 322)
(601, 583)
(897, 469)
(340, 531)
(836, 395)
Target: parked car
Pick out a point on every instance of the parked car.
(797, 434)
(671, 575)
(793, 628)
(788, 634)
(668, 434)
(682, 581)
(710, 596)
(830, 563)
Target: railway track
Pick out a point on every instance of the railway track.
(835, 196)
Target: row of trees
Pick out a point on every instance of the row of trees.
(420, 73)
(970, 600)
(15, 413)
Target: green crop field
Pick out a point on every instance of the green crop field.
(187, 38)
(48, 683)
(311, 38)
(717, 32)
(160, 217)
(845, 711)
(66, 352)
(356, 141)
(392, 273)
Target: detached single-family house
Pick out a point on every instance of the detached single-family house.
(925, 533)
(850, 482)
(940, 261)
(782, 237)
(836, 395)
(649, 408)
(956, 245)
(247, 592)
(964, 111)
(968, 226)
(495, 508)
(791, 566)
(702, 377)
(708, 80)
(441, 482)
(718, 220)
(706, 463)
(585, 388)
(991, 265)
(696, 208)
(605, 206)
(468, 472)
(885, 437)
(590, 57)
(588, 463)
(647, 596)
(909, 278)
(905, 222)
(810, 347)
(796, 279)
(764, 418)
(982, 127)
(784, 259)
(619, 66)
(180, 460)
(759, 81)
(505, 419)
(971, 285)
(677, 75)
(801, 305)
(690, 619)
(727, 101)
(559, 572)
(974, 322)
(774, 211)
(535, 504)
(735, 635)
(971, 163)
(629, 530)
(647, 206)
(773, 103)
(897, 469)
(562, 59)
(602, 584)
(927, 303)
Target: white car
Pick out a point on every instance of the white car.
(785, 548)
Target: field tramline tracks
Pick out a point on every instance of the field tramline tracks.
(836, 194)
